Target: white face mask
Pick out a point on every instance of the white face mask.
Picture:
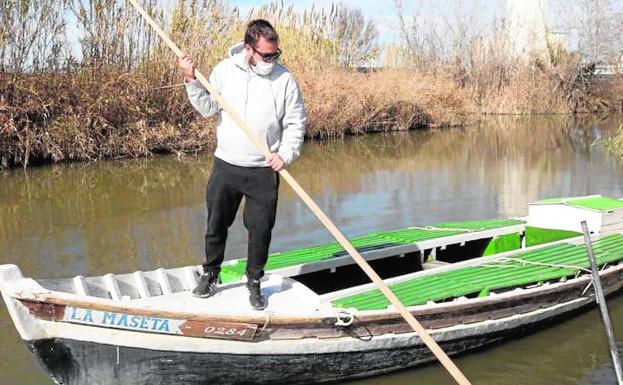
(263, 68)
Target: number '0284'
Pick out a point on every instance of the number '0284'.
(224, 331)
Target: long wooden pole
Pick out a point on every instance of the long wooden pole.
(419, 329)
(601, 301)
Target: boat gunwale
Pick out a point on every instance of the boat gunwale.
(361, 315)
(444, 332)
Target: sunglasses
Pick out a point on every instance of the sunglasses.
(268, 57)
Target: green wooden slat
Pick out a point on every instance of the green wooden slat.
(503, 243)
(542, 274)
(468, 274)
(477, 279)
(597, 203)
(468, 290)
(453, 287)
(485, 224)
(456, 288)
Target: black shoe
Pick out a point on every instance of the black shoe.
(257, 300)
(207, 285)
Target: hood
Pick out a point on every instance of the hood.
(236, 48)
(236, 52)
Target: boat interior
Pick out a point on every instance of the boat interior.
(441, 263)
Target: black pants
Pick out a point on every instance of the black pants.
(226, 187)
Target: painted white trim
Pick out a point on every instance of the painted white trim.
(163, 280)
(79, 285)
(31, 328)
(112, 286)
(299, 346)
(190, 276)
(139, 283)
(321, 308)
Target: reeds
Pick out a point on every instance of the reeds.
(116, 92)
(614, 144)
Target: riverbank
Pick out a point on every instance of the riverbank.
(115, 114)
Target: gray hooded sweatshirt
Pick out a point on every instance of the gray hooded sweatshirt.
(271, 105)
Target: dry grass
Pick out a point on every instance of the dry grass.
(614, 144)
(342, 101)
(603, 94)
(60, 117)
(80, 117)
(527, 92)
(532, 88)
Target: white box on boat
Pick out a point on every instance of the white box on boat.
(603, 215)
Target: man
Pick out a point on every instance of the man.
(266, 96)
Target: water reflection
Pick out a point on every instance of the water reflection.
(136, 215)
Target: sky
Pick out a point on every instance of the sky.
(382, 12)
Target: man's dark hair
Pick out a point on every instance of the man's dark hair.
(260, 28)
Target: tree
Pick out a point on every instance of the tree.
(355, 38)
(599, 26)
(32, 35)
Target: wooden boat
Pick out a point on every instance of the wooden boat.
(471, 284)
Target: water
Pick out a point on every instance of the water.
(122, 216)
